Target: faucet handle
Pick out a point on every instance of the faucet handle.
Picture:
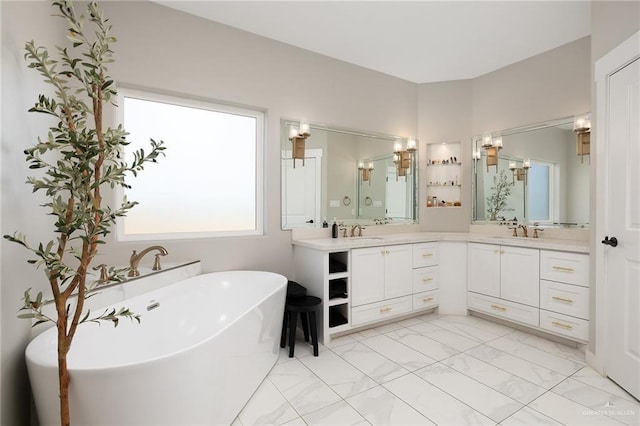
(515, 230)
(536, 229)
(156, 263)
(104, 276)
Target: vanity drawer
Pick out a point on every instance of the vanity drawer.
(570, 268)
(565, 325)
(425, 279)
(425, 254)
(428, 299)
(565, 299)
(504, 309)
(380, 311)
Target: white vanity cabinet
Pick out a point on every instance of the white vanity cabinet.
(546, 289)
(425, 276)
(504, 281)
(380, 274)
(564, 294)
(509, 273)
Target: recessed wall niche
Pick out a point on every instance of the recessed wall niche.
(444, 175)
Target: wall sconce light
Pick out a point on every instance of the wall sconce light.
(582, 128)
(366, 171)
(402, 157)
(492, 145)
(298, 137)
(520, 173)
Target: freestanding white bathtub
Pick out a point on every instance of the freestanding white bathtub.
(203, 347)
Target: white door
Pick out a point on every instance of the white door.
(622, 262)
(395, 195)
(301, 195)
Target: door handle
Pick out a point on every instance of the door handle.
(613, 241)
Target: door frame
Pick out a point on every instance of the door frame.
(621, 56)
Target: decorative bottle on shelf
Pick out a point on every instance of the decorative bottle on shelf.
(334, 229)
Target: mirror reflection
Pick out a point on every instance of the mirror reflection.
(353, 176)
(537, 173)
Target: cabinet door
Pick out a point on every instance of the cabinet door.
(520, 275)
(398, 273)
(484, 269)
(367, 275)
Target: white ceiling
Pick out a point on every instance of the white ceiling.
(419, 41)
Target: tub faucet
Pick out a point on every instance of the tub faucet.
(136, 258)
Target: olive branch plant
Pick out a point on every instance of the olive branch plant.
(77, 159)
(497, 201)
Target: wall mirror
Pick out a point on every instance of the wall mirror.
(348, 174)
(538, 173)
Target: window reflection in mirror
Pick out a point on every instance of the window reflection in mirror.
(330, 183)
(554, 190)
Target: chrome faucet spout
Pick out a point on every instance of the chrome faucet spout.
(135, 259)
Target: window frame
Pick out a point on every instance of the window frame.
(206, 104)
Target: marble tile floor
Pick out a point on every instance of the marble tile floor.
(442, 370)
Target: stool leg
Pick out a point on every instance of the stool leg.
(314, 332)
(293, 321)
(283, 336)
(305, 325)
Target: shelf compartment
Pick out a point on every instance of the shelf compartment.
(338, 262)
(338, 315)
(338, 289)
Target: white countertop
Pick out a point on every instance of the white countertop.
(333, 244)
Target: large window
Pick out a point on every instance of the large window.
(210, 182)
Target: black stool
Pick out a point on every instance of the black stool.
(306, 306)
(294, 291)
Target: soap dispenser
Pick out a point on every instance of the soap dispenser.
(334, 229)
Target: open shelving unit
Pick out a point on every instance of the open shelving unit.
(444, 175)
(338, 290)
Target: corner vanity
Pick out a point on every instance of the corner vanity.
(538, 283)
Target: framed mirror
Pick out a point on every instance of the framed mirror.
(537, 173)
(347, 174)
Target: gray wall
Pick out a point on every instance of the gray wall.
(548, 86)
(445, 115)
(166, 50)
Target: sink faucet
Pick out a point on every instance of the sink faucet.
(353, 230)
(525, 233)
(136, 258)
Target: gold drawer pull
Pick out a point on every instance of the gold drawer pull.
(498, 307)
(562, 299)
(562, 325)
(426, 280)
(427, 299)
(562, 269)
(427, 254)
(385, 310)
